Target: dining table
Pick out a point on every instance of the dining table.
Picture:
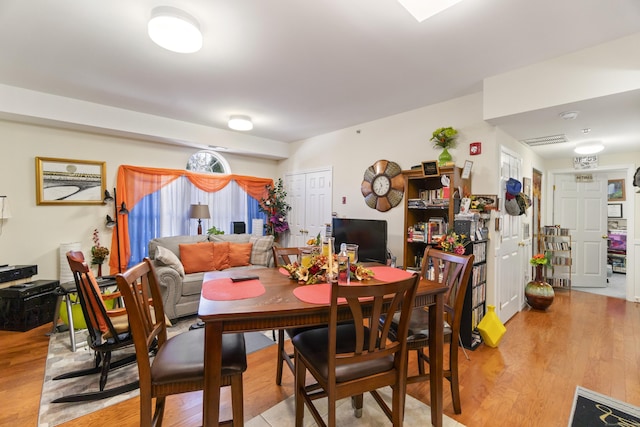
(266, 298)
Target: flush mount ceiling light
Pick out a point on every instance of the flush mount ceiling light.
(569, 115)
(422, 10)
(240, 123)
(175, 30)
(589, 148)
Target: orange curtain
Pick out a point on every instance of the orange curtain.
(136, 182)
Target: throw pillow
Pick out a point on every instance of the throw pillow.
(261, 250)
(197, 257)
(168, 258)
(239, 254)
(221, 255)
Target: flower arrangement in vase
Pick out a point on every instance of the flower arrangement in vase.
(275, 206)
(98, 253)
(453, 242)
(445, 138)
(539, 294)
(314, 270)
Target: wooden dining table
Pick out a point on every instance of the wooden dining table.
(270, 303)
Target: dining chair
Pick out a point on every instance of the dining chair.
(349, 359)
(281, 257)
(178, 365)
(453, 271)
(108, 331)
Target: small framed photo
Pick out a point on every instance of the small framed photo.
(614, 210)
(70, 182)
(486, 202)
(430, 168)
(615, 190)
(526, 186)
(466, 170)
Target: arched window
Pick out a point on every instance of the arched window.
(208, 161)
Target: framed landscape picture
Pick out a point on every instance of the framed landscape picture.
(69, 182)
(615, 190)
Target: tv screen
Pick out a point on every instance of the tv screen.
(369, 234)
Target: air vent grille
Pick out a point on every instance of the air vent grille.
(545, 140)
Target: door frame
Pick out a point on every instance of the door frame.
(632, 294)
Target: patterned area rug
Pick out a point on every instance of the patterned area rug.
(595, 409)
(61, 359)
(416, 414)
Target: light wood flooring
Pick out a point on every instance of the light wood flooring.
(529, 380)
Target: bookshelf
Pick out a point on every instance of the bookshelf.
(557, 241)
(475, 297)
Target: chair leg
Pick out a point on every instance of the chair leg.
(357, 403)
(236, 400)
(158, 415)
(300, 377)
(280, 357)
(106, 365)
(420, 356)
(453, 368)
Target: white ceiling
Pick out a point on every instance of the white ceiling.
(304, 68)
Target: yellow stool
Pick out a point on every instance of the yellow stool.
(491, 328)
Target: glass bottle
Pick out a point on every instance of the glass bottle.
(343, 266)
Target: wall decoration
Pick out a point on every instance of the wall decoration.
(484, 202)
(430, 168)
(526, 186)
(475, 148)
(466, 171)
(615, 190)
(614, 210)
(383, 185)
(70, 182)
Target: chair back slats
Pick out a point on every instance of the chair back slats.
(93, 307)
(371, 342)
(285, 256)
(452, 271)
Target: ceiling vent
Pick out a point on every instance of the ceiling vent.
(545, 140)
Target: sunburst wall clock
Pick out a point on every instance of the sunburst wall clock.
(383, 185)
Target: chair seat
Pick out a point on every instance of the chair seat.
(418, 327)
(312, 345)
(181, 358)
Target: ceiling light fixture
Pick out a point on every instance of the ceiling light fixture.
(174, 30)
(242, 123)
(569, 115)
(422, 10)
(589, 148)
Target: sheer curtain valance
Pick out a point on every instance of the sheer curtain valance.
(158, 201)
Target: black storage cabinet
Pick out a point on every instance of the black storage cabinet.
(28, 305)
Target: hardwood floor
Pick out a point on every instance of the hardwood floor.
(529, 380)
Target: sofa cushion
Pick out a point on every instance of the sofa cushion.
(239, 254)
(166, 257)
(172, 243)
(261, 249)
(234, 238)
(197, 257)
(221, 255)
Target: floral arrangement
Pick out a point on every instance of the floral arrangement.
(275, 207)
(98, 253)
(538, 259)
(317, 268)
(453, 242)
(444, 137)
(314, 241)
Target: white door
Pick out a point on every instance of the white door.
(582, 208)
(510, 270)
(309, 194)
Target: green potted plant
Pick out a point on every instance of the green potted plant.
(445, 138)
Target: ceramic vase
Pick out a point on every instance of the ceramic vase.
(444, 158)
(539, 293)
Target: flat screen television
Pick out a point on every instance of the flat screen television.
(369, 234)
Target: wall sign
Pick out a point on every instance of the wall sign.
(585, 162)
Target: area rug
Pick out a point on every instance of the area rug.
(61, 359)
(591, 409)
(416, 413)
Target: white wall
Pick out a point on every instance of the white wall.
(33, 234)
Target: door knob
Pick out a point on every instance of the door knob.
(605, 237)
(520, 243)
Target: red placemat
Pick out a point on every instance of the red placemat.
(390, 274)
(225, 290)
(284, 271)
(315, 294)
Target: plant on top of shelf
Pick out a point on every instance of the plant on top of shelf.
(214, 230)
(444, 137)
(453, 242)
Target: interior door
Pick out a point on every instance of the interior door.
(582, 208)
(510, 271)
(309, 194)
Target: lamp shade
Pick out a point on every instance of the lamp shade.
(199, 211)
(5, 212)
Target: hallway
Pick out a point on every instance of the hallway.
(616, 288)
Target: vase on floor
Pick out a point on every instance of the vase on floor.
(539, 294)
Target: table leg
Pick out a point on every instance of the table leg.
(436, 349)
(212, 369)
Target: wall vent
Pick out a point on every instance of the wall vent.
(545, 140)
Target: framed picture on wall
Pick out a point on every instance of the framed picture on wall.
(70, 182)
(615, 189)
(614, 210)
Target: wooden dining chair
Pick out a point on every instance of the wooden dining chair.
(178, 365)
(349, 359)
(452, 271)
(108, 331)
